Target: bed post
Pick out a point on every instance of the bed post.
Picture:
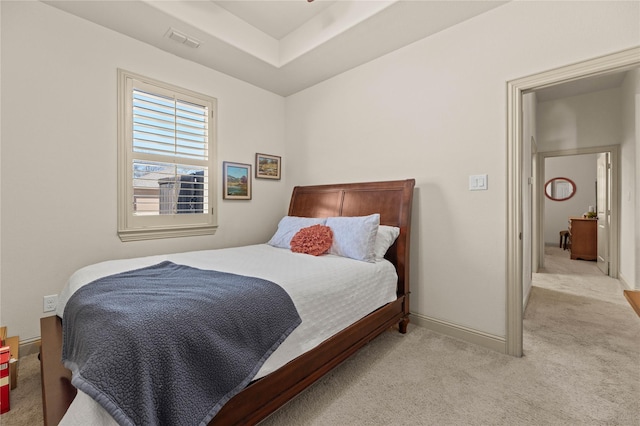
(402, 252)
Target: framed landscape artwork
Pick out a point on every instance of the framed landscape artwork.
(236, 181)
(267, 166)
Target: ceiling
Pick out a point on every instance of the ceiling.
(275, 18)
(280, 46)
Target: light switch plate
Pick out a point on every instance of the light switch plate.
(478, 183)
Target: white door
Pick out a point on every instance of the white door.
(603, 202)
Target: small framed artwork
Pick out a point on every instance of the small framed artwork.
(267, 166)
(236, 181)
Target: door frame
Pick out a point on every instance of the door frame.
(604, 203)
(614, 230)
(614, 62)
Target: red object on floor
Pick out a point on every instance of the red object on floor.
(5, 355)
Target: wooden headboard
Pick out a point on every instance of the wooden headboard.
(392, 199)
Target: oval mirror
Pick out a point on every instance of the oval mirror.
(559, 189)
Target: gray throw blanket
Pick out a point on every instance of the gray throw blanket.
(170, 344)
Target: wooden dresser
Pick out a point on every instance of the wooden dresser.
(583, 234)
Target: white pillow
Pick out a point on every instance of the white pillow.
(354, 237)
(289, 226)
(386, 237)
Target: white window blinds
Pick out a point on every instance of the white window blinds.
(166, 179)
(169, 126)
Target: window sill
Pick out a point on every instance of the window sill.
(158, 233)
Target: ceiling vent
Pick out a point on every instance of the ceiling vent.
(182, 38)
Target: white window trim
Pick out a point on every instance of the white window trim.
(131, 228)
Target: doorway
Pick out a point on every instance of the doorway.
(603, 200)
(616, 62)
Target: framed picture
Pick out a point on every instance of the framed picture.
(236, 181)
(267, 166)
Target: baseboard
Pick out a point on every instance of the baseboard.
(624, 283)
(526, 298)
(29, 347)
(489, 341)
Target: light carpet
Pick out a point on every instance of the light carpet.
(581, 366)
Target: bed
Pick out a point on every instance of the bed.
(392, 201)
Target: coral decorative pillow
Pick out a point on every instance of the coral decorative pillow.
(289, 226)
(314, 240)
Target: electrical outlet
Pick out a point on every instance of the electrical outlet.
(50, 303)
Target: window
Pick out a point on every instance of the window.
(166, 149)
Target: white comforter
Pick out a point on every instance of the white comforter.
(330, 293)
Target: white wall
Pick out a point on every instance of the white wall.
(629, 187)
(436, 111)
(582, 170)
(582, 121)
(58, 169)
